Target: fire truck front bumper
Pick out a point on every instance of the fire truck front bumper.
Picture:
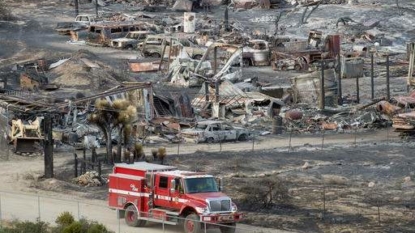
(221, 218)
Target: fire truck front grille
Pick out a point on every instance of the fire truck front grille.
(220, 205)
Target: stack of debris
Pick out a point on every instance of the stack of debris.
(89, 179)
(82, 69)
(404, 120)
(305, 119)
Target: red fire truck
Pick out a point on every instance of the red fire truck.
(142, 192)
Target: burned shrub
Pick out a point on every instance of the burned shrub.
(265, 192)
(5, 12)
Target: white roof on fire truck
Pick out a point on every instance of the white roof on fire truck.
(144, 166)
(185, 174)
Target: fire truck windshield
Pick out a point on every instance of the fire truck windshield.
(201, 185)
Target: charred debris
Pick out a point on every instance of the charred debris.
(194, 69)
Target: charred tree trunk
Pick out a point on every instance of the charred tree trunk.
(110, 159)
(397, 5)
(306, 16)
(119, 144)
(48, 147)
(76, 3)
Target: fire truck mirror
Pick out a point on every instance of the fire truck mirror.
(220, 184)
(172, 185)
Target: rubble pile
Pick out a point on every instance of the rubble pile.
(403, 113)
(82, 69)
(211, 68)
(89, 179)
(312, 120)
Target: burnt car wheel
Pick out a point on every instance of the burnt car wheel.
(242, 137)
(210, 140)
(131, 215)
(230, 228)
(197, 57)
(246, 62)
(155, 55)
(192, 224)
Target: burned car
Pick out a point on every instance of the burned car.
(131, 40)
(155, 45)
(256, 53)
(215, 131)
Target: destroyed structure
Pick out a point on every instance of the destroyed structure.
(205, 60)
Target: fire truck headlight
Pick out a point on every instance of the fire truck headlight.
(234, 207)
(201, 210)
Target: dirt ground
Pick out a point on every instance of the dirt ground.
(338, 189)
(368, 188)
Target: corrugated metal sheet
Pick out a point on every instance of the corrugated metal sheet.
(333, 45)
(352, 67)
(144, 66)
(307, 87)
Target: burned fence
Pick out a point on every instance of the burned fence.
(92, 162)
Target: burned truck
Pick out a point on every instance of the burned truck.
(214, 131)
(101, 34)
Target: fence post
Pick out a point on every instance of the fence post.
(0, 210)
(378, 213)
(253, 142)
(84, 161)
(178, 148)
(289, 144)
(322, 140)
(204, 223)
(387, 135)
(324, 202)
(79, 212)
(99, 168)
(76, 164)
(220, 145)
(355, 136)
(38, 205)
(94, 154)
(119, 224)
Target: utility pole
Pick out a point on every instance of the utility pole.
(388, 93)
(372, 75)
(226, 19)
(357, 90)
(322, 91)
(207, 91)
(48, 146)
(96, 8)
(411, 64)
(339, 75)
(76, 3)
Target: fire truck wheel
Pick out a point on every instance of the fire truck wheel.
(131, 217)
(228, 229)
(192, 224)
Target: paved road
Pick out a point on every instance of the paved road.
(283, 142)
(30, 207)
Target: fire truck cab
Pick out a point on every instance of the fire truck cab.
(142, 192)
